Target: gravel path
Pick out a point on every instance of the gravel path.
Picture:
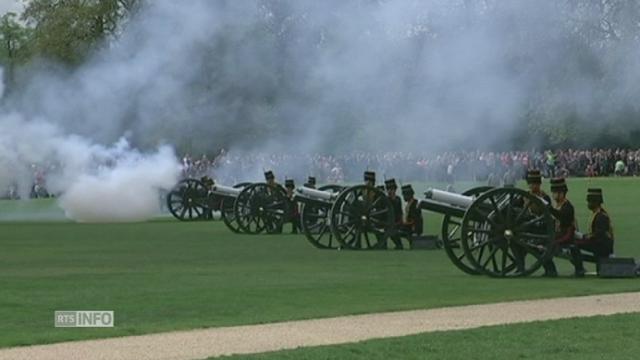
(199, 344)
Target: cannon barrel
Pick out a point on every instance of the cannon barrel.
(225, 191)
(449, 198)
(313, 194)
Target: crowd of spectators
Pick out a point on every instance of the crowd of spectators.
(495, 168)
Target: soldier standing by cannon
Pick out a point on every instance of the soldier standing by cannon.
(534, 182)
(272, 226)
(564, 213)
(311, 182)
(412, 224)
(294, 217)
(392, 188)
(599, 241)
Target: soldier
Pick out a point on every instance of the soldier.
(270, 179)
(290, 186)
(599, 241)
(208, 212)
(534, 181)
(396, 203)
(412, 224)
(564, 213)
(311, 182)
(272, 227)
(370, 178)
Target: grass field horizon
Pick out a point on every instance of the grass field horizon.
(166, 275)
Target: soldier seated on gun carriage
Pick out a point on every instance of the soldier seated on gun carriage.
(599, 241)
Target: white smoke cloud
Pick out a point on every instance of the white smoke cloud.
(126, 191)
(97, 183)
(313, 76)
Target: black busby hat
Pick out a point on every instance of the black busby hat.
(268, 175)
(559, 185)
(534, 177)
(390, 184)
(595, 195)
(311, 180)
(207, 181)
(369, 176)
(407, 190)
(289, 184)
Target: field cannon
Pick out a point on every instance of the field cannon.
(314, 214)
(503, 232)
(358, 217)
(194, 199)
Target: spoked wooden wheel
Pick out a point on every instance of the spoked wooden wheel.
(451, 236)
(507, 232)
(260, 207)
(362, 218)
(227, 212)
(314, 219)
(188, 200)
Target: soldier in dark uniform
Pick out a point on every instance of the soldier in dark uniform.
(412, 222)
(564, 213)
(215, 206)
(370, 178)
(534, 182)
(311, 182)
(599, 241)
(396, 203)
(270, 178)
(294, 217)
(272, 227)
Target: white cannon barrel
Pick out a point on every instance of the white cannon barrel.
(316, 194)
(449, 198)
(226, 190)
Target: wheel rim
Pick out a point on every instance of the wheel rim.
(502, 236)
(187, 201)
(315, 222)
(361, 218)
(451, 236)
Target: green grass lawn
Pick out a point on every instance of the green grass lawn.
(602, 337)
(167, 275)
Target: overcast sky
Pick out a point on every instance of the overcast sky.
(10, 5)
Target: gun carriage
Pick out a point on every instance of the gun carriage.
(502, 232)
(358, 217)
(195, 199)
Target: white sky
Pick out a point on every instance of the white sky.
(10, 5)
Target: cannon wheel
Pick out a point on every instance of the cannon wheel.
(315, 222)
(362, 218)
(451, 236)
(227, 211)
(507, 232)
(261, 208)
(188, 200)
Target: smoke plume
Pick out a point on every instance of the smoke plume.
(321, 76)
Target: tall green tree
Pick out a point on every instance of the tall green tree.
(68, 30)
(15, 40)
